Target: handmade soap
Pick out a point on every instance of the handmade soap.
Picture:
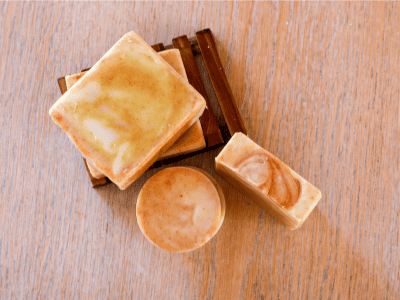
(179, 209)
(130, 107)
(269, 182)
(192, 140)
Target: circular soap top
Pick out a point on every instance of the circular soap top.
(179, 209)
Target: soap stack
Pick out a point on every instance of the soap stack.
(128, 110)
(190, 141)
(135, 106)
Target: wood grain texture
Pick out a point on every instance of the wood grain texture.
(219, 81)
(208, 122)
(318, 86)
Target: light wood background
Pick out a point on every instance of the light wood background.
(317, 84)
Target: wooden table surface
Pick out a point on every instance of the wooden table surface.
(317, 84)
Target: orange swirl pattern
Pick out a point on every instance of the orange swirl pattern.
(271, 177)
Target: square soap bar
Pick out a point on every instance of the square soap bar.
(192, 140)
(269, 182)
(129, 107)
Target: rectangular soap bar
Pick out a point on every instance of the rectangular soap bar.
(130, 107)
(270, 183)
(192, 140)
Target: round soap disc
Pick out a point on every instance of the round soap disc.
(179, 209)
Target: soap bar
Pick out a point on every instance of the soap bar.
(129, 108)
(269, 182)
(179, 209)
(192, 140)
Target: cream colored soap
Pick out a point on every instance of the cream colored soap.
(130, 107)
(179, 209)
(192, 140)
(269, 182)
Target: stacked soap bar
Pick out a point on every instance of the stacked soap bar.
(269, 182)
(128, 109)
(191, 140)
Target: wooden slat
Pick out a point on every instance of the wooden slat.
(158, 47)
(208, 122)
(208, 86)
(220, 83)
(62, 84)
